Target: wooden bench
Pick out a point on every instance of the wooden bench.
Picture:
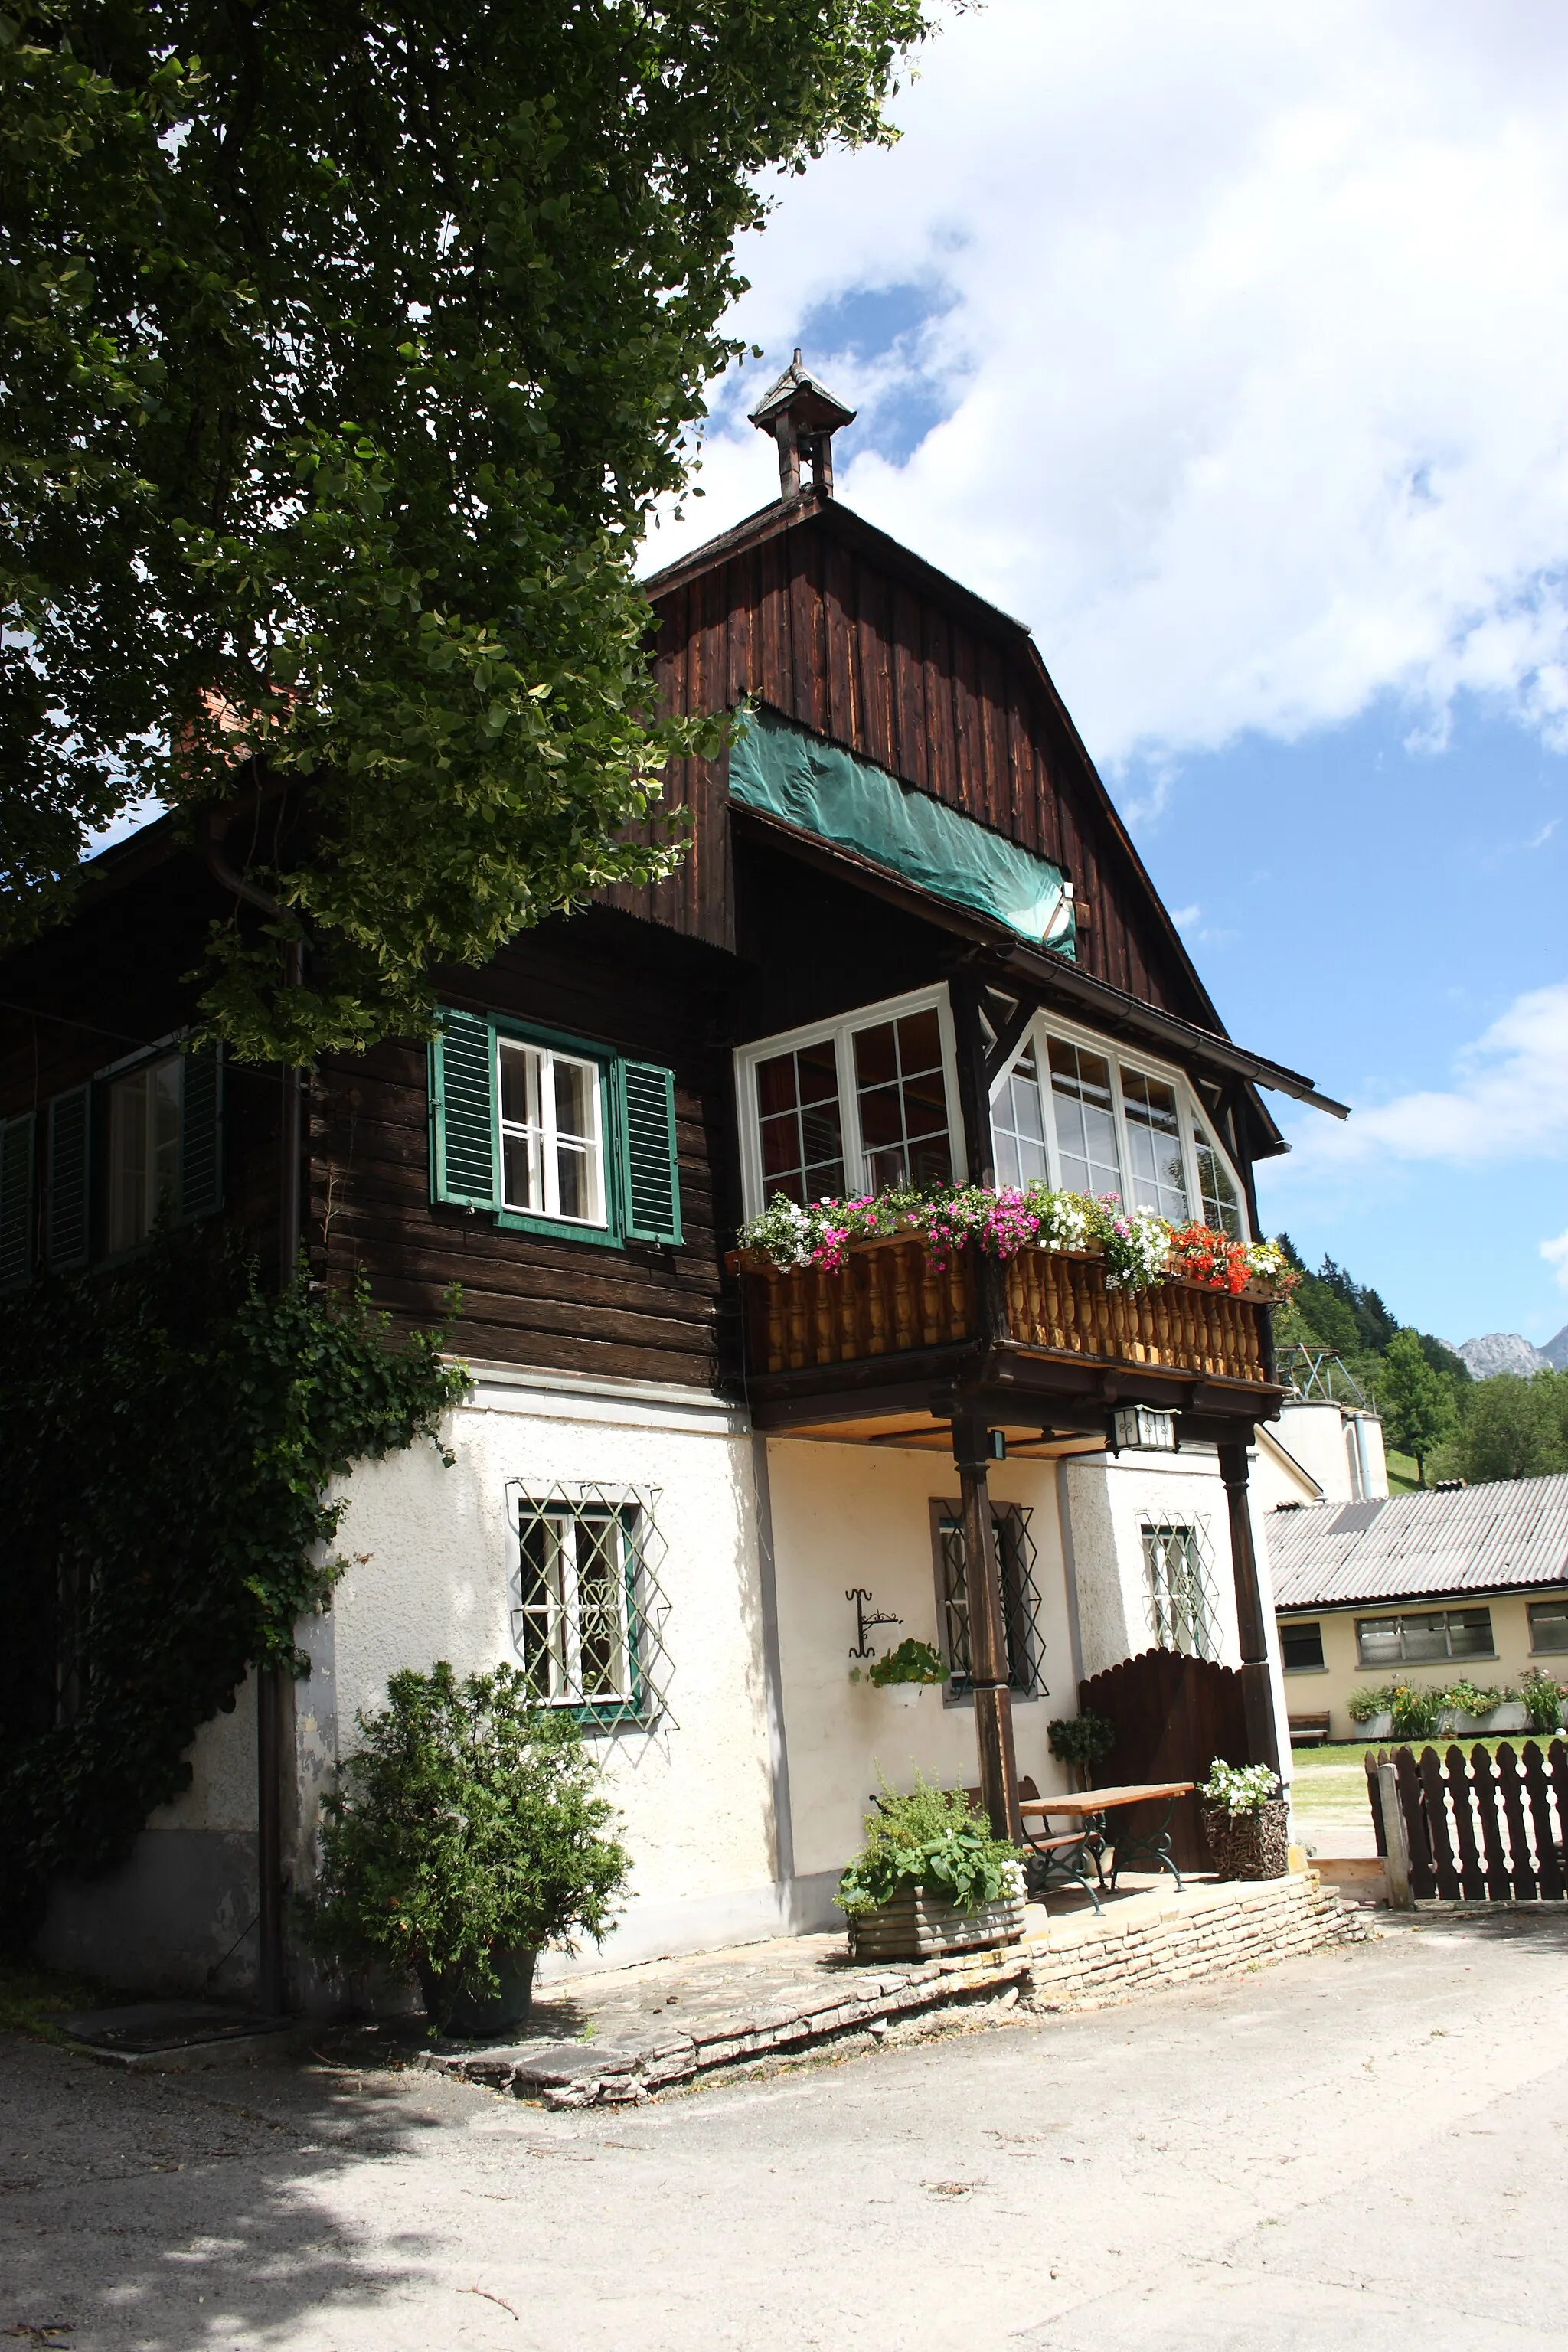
(1309, 1731)
(1062, 1856)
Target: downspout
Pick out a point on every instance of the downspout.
(269, 1958)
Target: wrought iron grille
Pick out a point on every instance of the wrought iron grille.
(1020, 1597)
(588, 1611)
(1182, 1604)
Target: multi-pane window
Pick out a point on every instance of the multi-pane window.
(1018, 1125)
(1548, 1626)
(1424, 1637)
(1301, 1645)
(1221, 1204)
(859, 1105)
(551, 1134)
(800, 1123)
(1085, 1113)
(1020, 1596)
(1072, 1112)
(900, 1091)
(573, 1627)
(1182, 1609)
(1155, 1171)
(144, 1152)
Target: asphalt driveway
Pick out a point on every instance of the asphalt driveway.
(1365, 2147)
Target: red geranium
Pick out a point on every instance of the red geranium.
(1200, 1254)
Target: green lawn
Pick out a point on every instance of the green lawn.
(1330, 1781)
(1402, 1478)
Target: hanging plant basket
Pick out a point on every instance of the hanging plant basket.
(1249, 1845)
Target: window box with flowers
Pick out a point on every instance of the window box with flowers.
(880, 1273)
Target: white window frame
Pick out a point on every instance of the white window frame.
(841, 1030)
(548, 1134)
(141, 1070)
(560, 1621)
(1189, 1107)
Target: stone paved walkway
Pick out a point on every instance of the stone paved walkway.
(619, 2036)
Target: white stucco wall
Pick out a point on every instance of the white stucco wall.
(222, 1794)
(432, 1557)
(1109, 1499)
(860, 1515)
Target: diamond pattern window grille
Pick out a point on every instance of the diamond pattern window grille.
(1020, 1597)
(588, 1610)
(1182, 1601)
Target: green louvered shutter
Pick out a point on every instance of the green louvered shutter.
(462, 1112)
(66, 1231)
(16, 1201)
(649, 1171)
(201, 1134)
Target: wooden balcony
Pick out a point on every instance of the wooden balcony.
(891, 1302)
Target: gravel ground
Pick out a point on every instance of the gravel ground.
(1362, 2145)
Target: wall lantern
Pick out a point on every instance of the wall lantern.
(1139, 1425)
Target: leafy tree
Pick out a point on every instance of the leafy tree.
(1513, 1428)
(1375, 1326)
(1415, 1400)
(1445, 1359)
(347, 350)
(1326, 1321)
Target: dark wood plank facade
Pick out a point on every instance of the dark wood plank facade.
(810, 610)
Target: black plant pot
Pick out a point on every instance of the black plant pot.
(1249, 1845)
(458, 2005)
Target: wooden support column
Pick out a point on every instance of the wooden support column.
(1262, 1728)
(987, 1638)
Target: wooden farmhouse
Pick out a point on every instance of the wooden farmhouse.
(911, 942)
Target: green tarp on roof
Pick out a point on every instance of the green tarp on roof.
(822, 790)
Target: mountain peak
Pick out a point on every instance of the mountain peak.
(1508, 1351)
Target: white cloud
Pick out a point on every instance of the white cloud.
(1508, 1101)
(1556, 1254)
(1246, 335)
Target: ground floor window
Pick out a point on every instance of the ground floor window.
(1020, 1596)
(587, 1620)
(1182, 1605)
(1424, 1637)
(1301, 1645)
(1548, 1626)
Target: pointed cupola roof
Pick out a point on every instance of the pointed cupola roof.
(802, 416)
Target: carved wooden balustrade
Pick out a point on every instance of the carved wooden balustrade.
(890, 1298)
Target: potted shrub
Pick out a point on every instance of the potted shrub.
(466, 1834)
(931, 1878)
(1541, 1697)
(1372, 1712)
(905, 1672)
(1485, 1707)
(1081, 1740)
(1245, 1821)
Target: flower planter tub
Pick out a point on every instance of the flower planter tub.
(915, 1926)
(1249, 1845)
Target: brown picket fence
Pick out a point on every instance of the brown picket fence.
(1482, 1827)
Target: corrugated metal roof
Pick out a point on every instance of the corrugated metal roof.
(1476, 1539)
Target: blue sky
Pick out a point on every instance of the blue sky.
(1229, 350)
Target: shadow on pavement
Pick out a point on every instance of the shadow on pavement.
(180, 2211)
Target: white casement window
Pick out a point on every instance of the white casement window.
(573, 1627)
(851, 1105)
(1075, 1111)
(551, 1148)
(143, 1151)
(1184, 1611)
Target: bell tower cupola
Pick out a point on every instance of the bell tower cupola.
(802, 417)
